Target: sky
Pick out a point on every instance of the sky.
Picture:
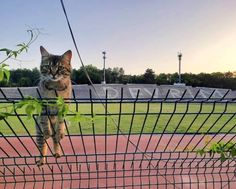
(136, 34)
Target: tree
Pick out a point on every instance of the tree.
(74, 76)
(32, 77)
(117, 74)
(24, 82)
(191, 79)
(228, 74)
(109, 78)
(162, 79)
(173, 78)
(35, 76)
(149, 76)
(94, 73)
(27, 78)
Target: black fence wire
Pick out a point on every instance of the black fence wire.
(134, 142)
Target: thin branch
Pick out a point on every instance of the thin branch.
(34, 33)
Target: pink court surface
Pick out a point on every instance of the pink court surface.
(113, 162)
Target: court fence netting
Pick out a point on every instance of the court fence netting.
(123, 142)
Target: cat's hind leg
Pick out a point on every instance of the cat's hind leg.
(43, 151)
(42, 147)
(43, 131)
(59, 134)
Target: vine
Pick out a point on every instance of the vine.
(225, 150)
(21, 47)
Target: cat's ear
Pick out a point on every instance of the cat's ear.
(43, 51)
(67, 56)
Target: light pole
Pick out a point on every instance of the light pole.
(104, 71)
(180, 57)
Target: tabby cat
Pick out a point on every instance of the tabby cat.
(54, 81)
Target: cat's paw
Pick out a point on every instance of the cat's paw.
(40, 162)
(57, 155)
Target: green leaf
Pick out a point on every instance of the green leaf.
(78, 118)
(39, 108)
(233, 152)
(4, 73)
(8, 51)
(14, 53)
(4, 115)
(4, 49)
(33, 105)
(7, 74)
(20, 45)
(229, 146)
(201, 152)
(23, 47)
(4, 65)
(215, 148)
(222, 157)
(62, 107)
(1, 74)
(29, 110)
(19, 105)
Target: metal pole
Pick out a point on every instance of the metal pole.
(180, 57)
(104, 70)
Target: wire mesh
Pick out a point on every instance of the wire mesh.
(131, 142)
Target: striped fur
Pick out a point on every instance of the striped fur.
(54, 81)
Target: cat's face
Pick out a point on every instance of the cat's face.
(55, 67)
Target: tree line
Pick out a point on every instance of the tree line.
(28, 78)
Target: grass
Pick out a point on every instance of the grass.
(179, 118)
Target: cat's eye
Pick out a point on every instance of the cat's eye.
(45, 66)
